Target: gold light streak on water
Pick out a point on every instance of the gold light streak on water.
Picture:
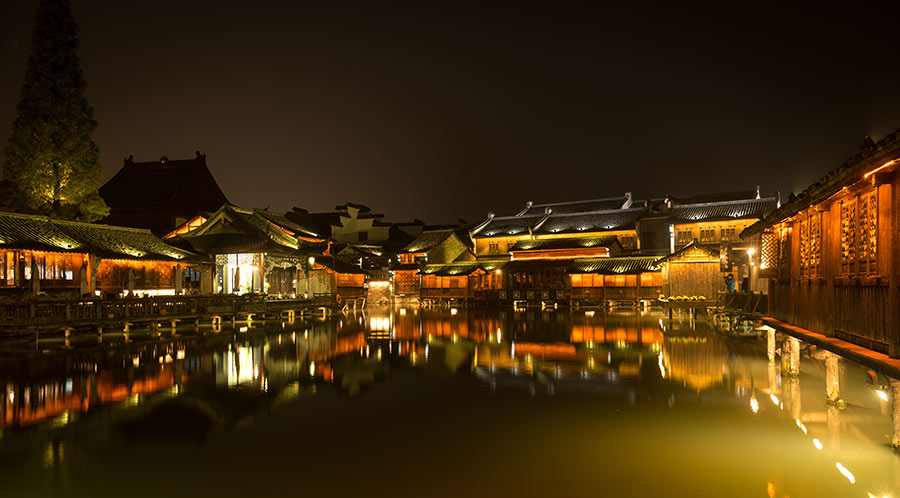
(817, 444)
(846, 473)
(754, 405)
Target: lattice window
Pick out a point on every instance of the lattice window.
(859, 235)
(768, 254)
(848, 236)
(784, 253)
(804, 246)
(815, 243)
(868, 233)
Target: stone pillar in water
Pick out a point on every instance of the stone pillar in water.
(832, 378)
(770, 344)
(895, 413)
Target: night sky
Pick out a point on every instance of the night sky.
(441, 112)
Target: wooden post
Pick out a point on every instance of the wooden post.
(770, 344)
(893, 314)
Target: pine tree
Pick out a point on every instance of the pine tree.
(52, 163)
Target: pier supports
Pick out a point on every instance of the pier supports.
(895, 413)
(790, 356)
(832, 378)
(770, 344)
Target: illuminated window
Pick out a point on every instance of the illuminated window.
(848, 236)
(859, 235)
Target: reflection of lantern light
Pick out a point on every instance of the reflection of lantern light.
(817, 444)
(754, 405)
(881, 394)
(312, 368)
(843, 470)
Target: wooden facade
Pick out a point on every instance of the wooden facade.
(73, 259)
(693, 271)
(831, 253)
(255, 251)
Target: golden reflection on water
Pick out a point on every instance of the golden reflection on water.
(797, 421)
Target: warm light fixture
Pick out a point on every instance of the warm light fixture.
(885, 165)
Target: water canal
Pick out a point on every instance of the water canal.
(415, 402)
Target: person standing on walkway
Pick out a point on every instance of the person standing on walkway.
(729, 283)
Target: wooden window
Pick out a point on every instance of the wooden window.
(683, 237)
(868, 233)
(494, 248)
(804, 246)
(859, 235)
(784, 252)
(848, 236)
(576, 280)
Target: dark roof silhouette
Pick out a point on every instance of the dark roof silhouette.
(156, 194)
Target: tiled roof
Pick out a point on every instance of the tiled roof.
(428, 239)
(725, 210)
(616, 266)
(851, 171)
(616, 219)
(708, 248)
(249, 231)
(285, 222)
(499, 226)
(319, 223)
(157, 183)
(338, 266)
(21, 231)
(575, 206)
(567, 243)
(460, 268)
(154, 194)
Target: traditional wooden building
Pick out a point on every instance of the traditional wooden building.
(694, 270)
(331, 275)
(161, 195)
(255, 251)
(572, 220)
(717, 220)
(436, 246)
(605, 280)
(71, 259)
(547, 243)
(462, 281)
(831, 253)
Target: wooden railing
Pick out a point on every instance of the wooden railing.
(42, 312)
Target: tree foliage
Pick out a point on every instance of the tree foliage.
(52, 163)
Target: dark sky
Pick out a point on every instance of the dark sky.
(441, 112)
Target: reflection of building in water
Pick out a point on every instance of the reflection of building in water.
(27, 403)
(697, 362)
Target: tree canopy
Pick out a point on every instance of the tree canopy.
(52, 164)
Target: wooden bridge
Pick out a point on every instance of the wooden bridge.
(25, 317)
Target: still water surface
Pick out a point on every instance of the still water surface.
(413, 402)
